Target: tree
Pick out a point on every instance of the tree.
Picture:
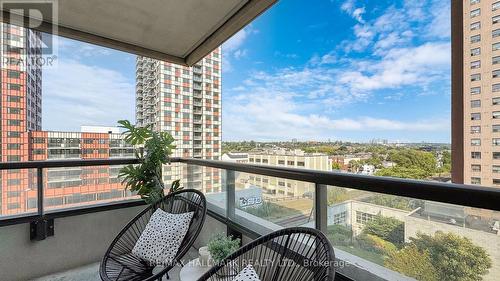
(403, 172)
(387, 228)
(336, 195)
(373, 243)
(354, 166)
(414, 159)
(454, 257)
(340, 234)
(396, 202)
(336, 166)
(412, 263)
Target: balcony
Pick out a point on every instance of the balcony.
(82, 231)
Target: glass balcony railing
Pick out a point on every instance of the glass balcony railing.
(380, 227)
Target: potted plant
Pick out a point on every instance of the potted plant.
(220, 246)
(153, 150)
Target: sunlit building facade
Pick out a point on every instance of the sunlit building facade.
(186, 102)
(481, 92)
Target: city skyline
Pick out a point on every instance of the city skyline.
(282, 83)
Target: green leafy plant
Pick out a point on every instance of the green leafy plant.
(153, 149)
(221, 246)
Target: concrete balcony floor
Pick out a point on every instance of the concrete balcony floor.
(91, 272)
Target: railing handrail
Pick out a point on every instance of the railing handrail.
(459, 194)
(66, 163)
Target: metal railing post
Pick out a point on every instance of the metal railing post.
(321, 206)
(231, 193)
(39, 186)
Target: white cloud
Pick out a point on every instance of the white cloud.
(235, 42)
(76, 94)
(398, 26)
(349, 7)
(232, 48)
(419, 65)
(262, 116)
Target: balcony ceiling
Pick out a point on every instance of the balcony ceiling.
(179, 31)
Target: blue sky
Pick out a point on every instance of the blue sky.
(340, 70)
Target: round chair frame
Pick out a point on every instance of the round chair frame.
(291, 254)
(119, 264)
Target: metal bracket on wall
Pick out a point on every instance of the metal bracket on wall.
(41, 229)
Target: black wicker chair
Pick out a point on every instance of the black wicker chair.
(292, 254)
(119, 264)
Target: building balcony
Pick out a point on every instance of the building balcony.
(83, 231)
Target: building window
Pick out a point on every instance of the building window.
(475, 142)
(363, 218)
(476, 64)
(472, 2)
(495, 6)
(475, 168)
(496, 114)
(495, 73)
(290, 163)
(475, 155)
(495, 169)
(475, 103)
(475, 26)
(475, 38)
(476, 116)
(13, 74)
(281, 162)
(496, 60)
(13, 158)
(495, 19)
(13, 122)
(476, 52)
(496, 142)
(495, 46)
(475, 129)
(300, 163)
(475, 180)
(495, 128)
(475, 77)
(496, 181)
(340, 218)
(13, 99)
(475, 13)
(14, 146)
(495, 33)
(12, 206)
(14, 134)
(496, 155)
(15, 87)
(495, 87)
(475, 90)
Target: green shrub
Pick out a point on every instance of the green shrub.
(221, 246)
(375, 244)
(340, 235)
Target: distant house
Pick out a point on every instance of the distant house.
(367, 169)
(237, 157)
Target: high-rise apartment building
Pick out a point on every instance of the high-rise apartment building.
(20, 107)
(68, 186)
(186, 102)
(181, 100)
(21, 92)
(481, 95)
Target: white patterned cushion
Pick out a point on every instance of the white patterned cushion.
(162, 237)
(247, 274)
